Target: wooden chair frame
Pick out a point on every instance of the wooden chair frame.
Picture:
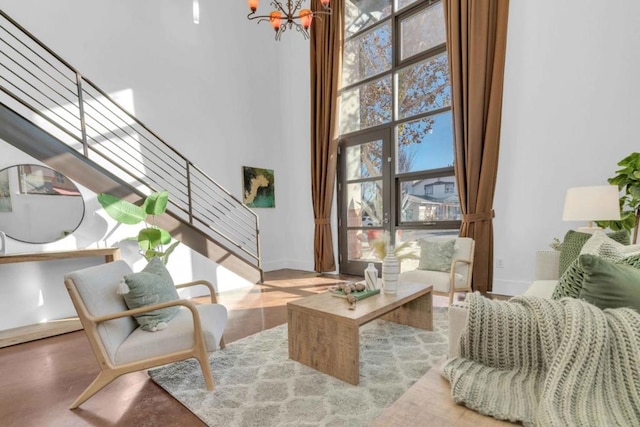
(452, 281)
(109, 371)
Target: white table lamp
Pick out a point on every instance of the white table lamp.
(598, 203)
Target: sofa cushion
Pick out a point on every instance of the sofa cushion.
(594, 245)
(575, 240)
(436, 254)
(97, 286)
(542, 288)
(153, 285)
(609, 285)
(141, 345)
(438, 279)
(598, 244)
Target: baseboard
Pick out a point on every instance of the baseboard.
(288, 264)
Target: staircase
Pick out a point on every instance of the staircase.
(53, 113)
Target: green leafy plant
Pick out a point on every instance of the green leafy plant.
(628, 181)
(152, 238)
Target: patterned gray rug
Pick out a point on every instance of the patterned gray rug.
(257, 384)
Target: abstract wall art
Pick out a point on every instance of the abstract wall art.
(258, 187)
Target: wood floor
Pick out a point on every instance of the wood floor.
(40, 379)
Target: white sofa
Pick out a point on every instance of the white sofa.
(546, 280)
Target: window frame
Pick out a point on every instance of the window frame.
(396, 17)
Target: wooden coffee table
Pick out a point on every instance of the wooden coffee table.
(324, 333)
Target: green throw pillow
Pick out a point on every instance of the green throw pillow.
(436, 255)
(153, 285)
(632, 260)
(570, 283)
(575, 240)
(609, 285)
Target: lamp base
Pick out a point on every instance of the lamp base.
(589, 230)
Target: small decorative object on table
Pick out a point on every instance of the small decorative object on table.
(353, 292)
(390, 272)
(371, 276)
(352, 300)
(383, 248)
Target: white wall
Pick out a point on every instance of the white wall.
(227, 95)
(221, 92)
(570, 113)
(34, 292)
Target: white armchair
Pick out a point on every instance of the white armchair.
(120, 346)
(448, 283)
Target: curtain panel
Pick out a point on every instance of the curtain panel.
(476, 44)
(325, 68)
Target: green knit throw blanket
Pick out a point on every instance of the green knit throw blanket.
(549, 363)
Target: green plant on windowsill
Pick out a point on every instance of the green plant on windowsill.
(628, 181)
(151, 239)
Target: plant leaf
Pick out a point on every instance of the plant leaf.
(149, 238)
(121, 210)
(165, 237)
(169, 251)
(634, 190)
(156, 203)
(150, 254)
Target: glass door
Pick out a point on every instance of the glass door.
(364, 194)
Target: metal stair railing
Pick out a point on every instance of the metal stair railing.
(39, 85)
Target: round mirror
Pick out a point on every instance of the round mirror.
(38, 204)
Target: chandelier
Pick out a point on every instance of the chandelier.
(288, 17)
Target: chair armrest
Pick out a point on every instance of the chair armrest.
(195, 316)
(547, 265)
(458, 313)
(212, 291)
(127, 313)
(455, 261)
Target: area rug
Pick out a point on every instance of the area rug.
(258, 385)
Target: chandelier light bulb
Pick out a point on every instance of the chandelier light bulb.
(306, 16)
(289, 14)
(275, 18)
(253, 5)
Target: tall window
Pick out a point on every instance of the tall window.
(396, 77)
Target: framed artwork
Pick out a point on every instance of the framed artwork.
(5, 193)
(258, 187)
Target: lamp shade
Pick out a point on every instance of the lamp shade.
(598, 203)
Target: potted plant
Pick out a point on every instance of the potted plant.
(628, 181)
(152, 238)
(391, 258)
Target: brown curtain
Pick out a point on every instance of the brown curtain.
(476, 43)
(326, 63)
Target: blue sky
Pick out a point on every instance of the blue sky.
(436, 148)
